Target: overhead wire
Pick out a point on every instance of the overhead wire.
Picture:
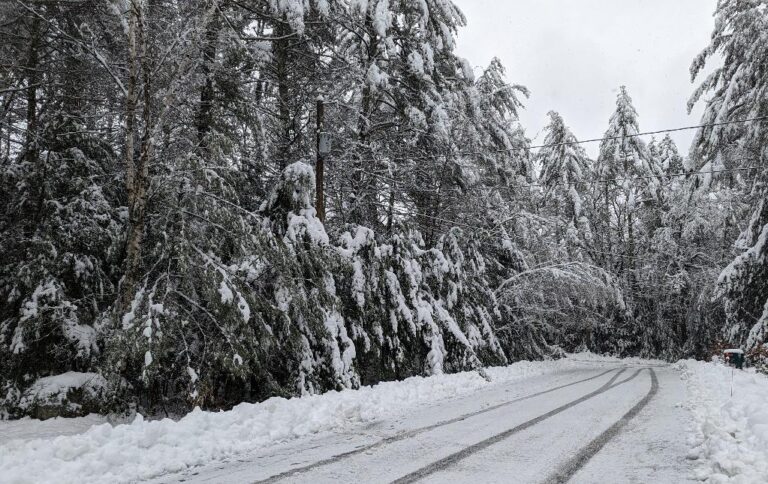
(651, 133)
(493, 230)
(600, 180)
(576, 142)
(490, 232)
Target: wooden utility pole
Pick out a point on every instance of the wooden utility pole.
(320, 163)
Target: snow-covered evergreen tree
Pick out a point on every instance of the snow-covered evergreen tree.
(564, 171)
(742, 284)
(623, 160)
(160, 240)
(62, 231)
(496, 126)
(735, 92)
(622, 152)
(670, 159)
(564, 162)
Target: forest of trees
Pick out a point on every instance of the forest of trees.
(161, 244)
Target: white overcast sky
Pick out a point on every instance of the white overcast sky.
(574, 54)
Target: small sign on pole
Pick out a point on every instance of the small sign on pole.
(324, 144)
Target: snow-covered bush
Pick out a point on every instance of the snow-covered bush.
(68, 394)
(61, 229)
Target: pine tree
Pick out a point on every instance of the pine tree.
(623, 157)
(565, 168)
(409, 86)
(735, 92)
(496, 125)
(622, 152)
(670, 159)
(564, 165)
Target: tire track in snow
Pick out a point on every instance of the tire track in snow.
(570, 468)
(448, 461)
(413, 433)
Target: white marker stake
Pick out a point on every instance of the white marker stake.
(732, 382)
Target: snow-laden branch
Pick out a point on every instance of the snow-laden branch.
(552, 269)
(91, 49)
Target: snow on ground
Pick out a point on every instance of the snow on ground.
(589, 357)
(450, 440)
(652, 447)
(729, 442)
(28, 429)
(144, 448)
(730, 437)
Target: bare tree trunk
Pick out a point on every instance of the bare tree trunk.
(130, 107)
(137, 169)
(32, 144)
(391, 210)
(430, 218)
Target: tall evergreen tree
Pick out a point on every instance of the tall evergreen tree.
(735, 92)
(564, 173)
(623, 157)
(669, 156)
(564, 165)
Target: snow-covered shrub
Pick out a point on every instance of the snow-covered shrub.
(61, 230)
(68, 394)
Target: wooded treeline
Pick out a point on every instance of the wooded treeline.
(160, 244)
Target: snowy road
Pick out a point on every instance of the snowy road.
(599, 423)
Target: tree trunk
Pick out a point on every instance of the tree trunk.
(33, 79)
(137, 169)
(608, 247)
(391, 210)
(283, 94)
(320, 165)
(205, 109)
(364, 212)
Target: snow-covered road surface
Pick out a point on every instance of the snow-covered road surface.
(598, 422)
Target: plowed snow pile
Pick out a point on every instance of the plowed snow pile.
(730, 435)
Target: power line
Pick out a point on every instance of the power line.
(577, 142)
(408, 213)
(494, 230)
(651, 133)
(596, 181)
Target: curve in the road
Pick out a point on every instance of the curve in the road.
(413, 433)
(567, 470)
(484, 444)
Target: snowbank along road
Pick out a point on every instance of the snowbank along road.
(600, 422)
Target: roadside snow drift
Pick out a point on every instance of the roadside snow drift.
(730, 437)
(143, 449)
